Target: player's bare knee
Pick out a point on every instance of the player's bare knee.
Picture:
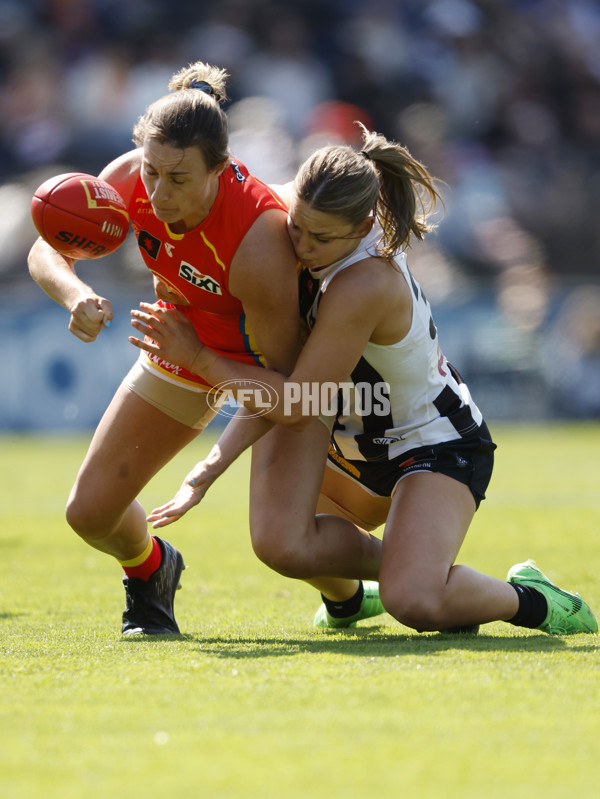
(280, 555)
(78, 519)
(421, 611)
(85, 518)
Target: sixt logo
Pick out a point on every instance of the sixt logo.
(196, 278)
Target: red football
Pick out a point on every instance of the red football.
(80, 215)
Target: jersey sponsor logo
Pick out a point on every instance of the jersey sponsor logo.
(239, 176)
(196, 278)
(385, 440)
(149, 243)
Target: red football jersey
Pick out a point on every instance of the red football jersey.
(196, 264)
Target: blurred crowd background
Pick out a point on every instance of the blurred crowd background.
(499, 98)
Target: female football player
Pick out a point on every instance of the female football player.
(215, 240)
(408, 446)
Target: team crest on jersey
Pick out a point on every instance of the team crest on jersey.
(196, 278)
(149, 244)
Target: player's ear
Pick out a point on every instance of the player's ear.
(365, 227)
(220, 168)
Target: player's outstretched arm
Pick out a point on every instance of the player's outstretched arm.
(241, 432)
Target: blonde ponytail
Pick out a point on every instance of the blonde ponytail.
(382, 179)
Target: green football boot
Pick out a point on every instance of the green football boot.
(370, 606)
(567, 613)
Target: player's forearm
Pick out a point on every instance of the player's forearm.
(242, 431)
(258, 389)
(55, 275)
(265, 393)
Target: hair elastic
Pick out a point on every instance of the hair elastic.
(366, 154)
(202, 85)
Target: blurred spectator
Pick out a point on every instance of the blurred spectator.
(286, 71)
(572, 355)
(502, 98)
(258, 137)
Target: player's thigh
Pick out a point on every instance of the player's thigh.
(343, 496)
(285, 479)
(132, 442)
(426, 526)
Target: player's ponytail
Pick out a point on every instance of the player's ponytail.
(208, 79)
(407, 194)
(190, 116)
(382, 179)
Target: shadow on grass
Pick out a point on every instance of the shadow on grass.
(368, 642)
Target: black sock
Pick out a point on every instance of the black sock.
(348, 607)
(533, 607)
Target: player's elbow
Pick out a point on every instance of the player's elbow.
(297, 408)
(33, 259)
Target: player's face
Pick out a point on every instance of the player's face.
(179, 185)
(321, 239)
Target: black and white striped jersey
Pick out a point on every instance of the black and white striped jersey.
(404, 395)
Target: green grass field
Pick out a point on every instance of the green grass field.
(251, 701)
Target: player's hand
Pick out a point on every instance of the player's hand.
(89, 315)
(192, 491)
(169, 334)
